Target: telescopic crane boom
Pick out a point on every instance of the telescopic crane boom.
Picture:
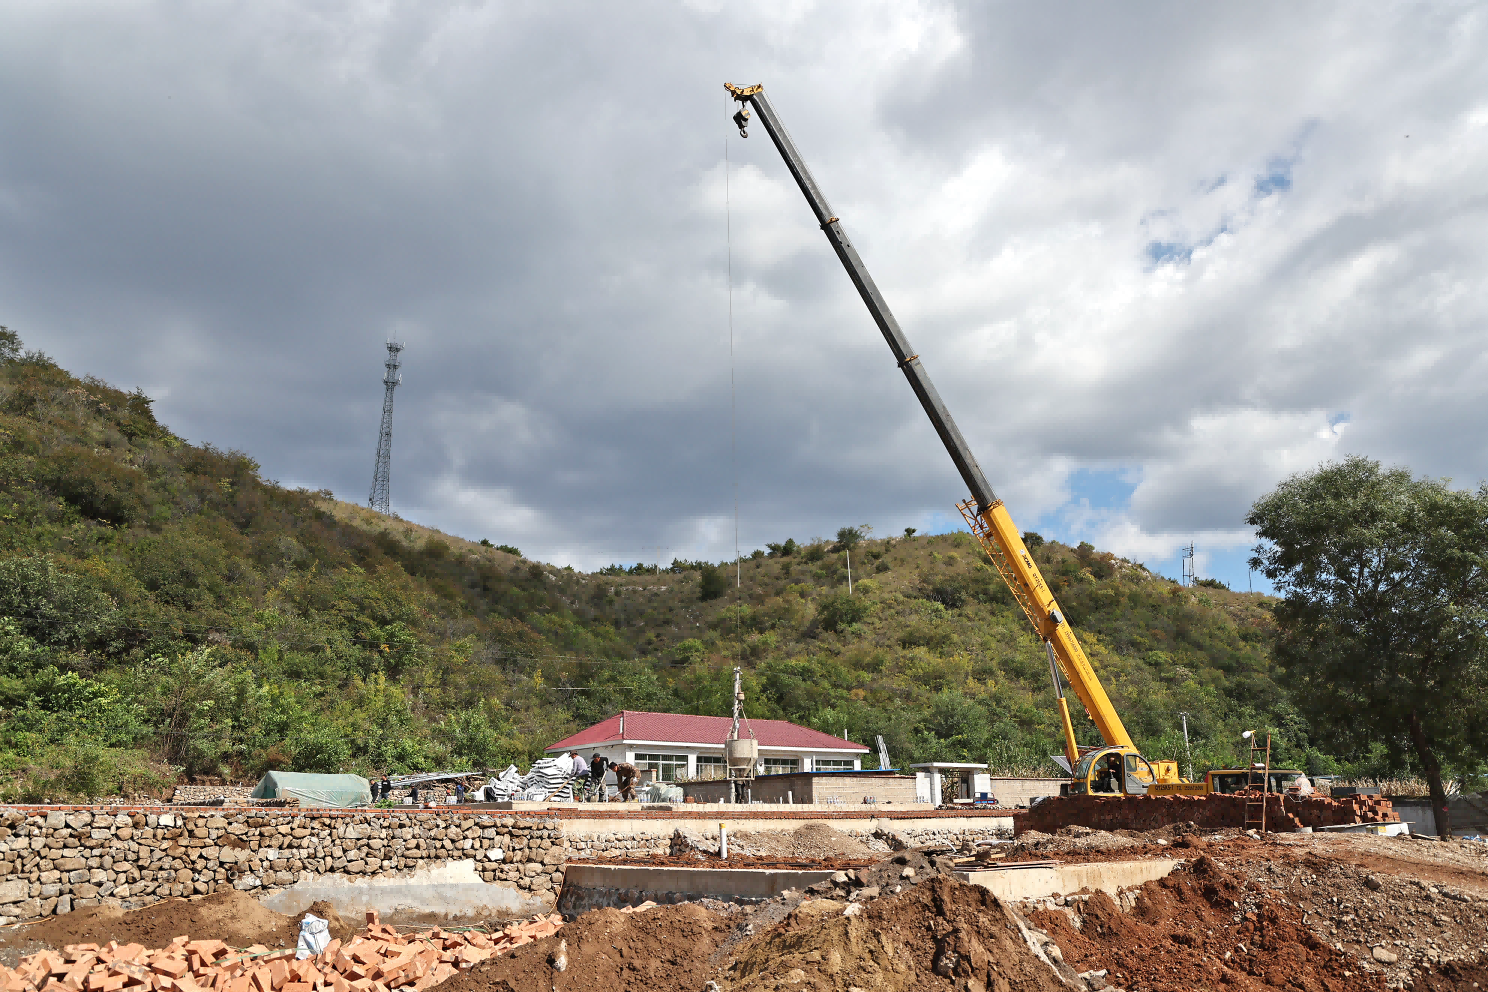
(984, 512)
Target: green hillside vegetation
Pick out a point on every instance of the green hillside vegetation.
(166, 611)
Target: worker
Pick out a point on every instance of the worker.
(598, 765)
(413, 794)
(387, 788)
(1109, 779)
(579, 769)
(460, 793)
(625, 782)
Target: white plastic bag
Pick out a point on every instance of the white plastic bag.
(315, 934)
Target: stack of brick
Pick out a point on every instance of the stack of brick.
(1212, 812)
(379, 959)
(58, 860)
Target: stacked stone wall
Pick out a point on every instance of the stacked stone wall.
(59, 860)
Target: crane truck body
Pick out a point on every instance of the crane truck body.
(1115, 769)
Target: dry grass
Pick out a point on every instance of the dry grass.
(1397, 786)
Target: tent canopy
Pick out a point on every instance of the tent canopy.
(315, 790)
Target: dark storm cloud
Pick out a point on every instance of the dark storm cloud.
(1172, 241)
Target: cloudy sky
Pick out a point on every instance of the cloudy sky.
(1156, 256)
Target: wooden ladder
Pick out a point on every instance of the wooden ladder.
(1258, 775)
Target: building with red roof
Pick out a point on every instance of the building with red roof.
(676, 744)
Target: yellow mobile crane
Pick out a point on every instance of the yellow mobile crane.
(1118, 768)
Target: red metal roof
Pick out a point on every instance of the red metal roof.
(679, 728)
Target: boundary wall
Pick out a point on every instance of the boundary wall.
(54, 859)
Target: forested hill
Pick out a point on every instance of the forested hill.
(164, 610)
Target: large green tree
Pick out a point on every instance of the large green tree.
(1383, 626)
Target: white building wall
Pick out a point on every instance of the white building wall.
(626, 751)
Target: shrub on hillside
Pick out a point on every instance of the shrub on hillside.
(713, 583)
(837, 612)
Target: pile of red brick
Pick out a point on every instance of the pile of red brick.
(1212, 812)
(376, 960)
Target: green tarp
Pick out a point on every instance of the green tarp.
(315, 790)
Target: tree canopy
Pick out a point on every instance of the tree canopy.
(1383, 625)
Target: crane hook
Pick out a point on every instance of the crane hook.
(741, 121)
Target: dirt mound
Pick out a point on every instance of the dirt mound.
(942, 933)
(229, 915)
(1199, 929)
(1069, 840)
(813, 840)
(1459, 976)
(340, 930)
(663, 949)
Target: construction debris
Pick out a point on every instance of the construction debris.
(378, 959)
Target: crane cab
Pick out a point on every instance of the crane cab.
(1121, 771)
(1112, 771)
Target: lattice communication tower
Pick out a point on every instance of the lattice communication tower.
(381, 498)
(1190, 574)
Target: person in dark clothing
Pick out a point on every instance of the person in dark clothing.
(598, 765)
(386, 791)
(626, 777)
(460, 793)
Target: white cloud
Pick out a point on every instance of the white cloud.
(1173, 241)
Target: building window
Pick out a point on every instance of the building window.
(782, 766)
(711, 766)
(833, 764)
(668, 767)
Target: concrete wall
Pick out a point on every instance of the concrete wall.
(1015, 792)
(807, 789)
(1469, 814)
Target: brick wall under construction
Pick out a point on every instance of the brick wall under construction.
(1212, 812)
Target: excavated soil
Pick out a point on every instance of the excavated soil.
(1200, 929)
(659, 950)
(704, 859)
(1453, 977)
(1357, 907)
(810, 841)
(230, 916)
(942, 934)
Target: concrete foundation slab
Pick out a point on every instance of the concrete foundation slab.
(588, 886)
(452, 889)
(1110, 877)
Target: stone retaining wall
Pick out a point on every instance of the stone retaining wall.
(58, 860)
(54, 860)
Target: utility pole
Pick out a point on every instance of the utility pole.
(1186, 749)
(381, 498)
(849, 572)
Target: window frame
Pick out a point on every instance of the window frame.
(711, 767)
(660, 762)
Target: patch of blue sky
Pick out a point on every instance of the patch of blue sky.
(1229, 566)
(1162, 252)
(1277, 178)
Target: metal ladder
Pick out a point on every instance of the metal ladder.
(1255, 807)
